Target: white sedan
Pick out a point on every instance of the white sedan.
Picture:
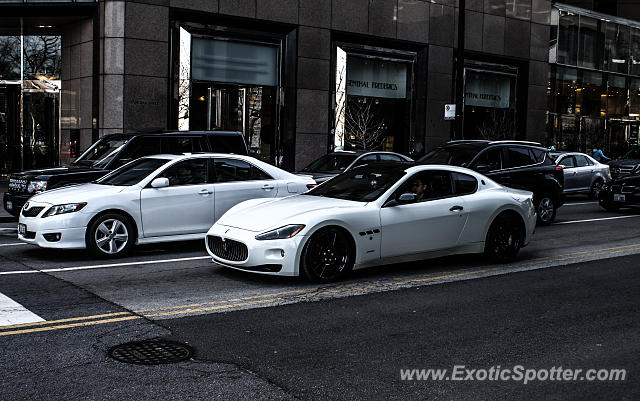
(153, 199)
(374, 215)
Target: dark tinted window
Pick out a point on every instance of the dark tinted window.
(491, 158)
(227, 144)
(367, 158)
(464, 184)
(102, 152)
(391, 158)
(518, 157)
(228, 170)
(632, 154)
(186, 172)
(568, 162)
(332, 163)
(179, 145)
(132, 173)
(538, 155)
(582, 161)
(457, 155)
(139, 147)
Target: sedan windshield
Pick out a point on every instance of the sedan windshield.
(132, 173)
(632, 154)
(360, 184)
(332, 164)
(458, 155)
(102, 152)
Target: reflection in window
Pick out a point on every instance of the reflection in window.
(591, 42)
(617, 47)
(634, 50)
(616, 96)
(568, 38)
(566, 85)
(634, 98)
(590, 96)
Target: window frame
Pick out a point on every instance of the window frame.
(214, 179)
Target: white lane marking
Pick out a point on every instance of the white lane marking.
(580, 203)
(65, 269)
(14, 244)
(12, 313)
(598, 219)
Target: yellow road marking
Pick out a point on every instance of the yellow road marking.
(279, 296)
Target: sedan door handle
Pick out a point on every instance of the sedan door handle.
(456, 208)
(205, 192)
(268, 186)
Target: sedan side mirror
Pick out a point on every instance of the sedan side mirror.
(160, 182)
(407, 197)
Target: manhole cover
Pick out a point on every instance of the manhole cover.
(151, 352)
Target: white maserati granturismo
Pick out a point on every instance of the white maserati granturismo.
(374, 215)
(153, 199)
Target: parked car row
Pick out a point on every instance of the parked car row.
(370, 207)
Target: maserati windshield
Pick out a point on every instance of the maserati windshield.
(359, 184)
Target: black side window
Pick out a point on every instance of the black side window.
(568, 162)
(491, 158)
(187, 172)
(582, 161)
(464, 184)
(429, 185)
(228, 170)
(139, 147)
(391, 158)
(227, 144)
(518, 157)
(538, 155)
(178, 145)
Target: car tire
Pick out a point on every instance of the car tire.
(327, 256)
(609, 207)
(595, 189)
(546, 209)
(110, 236)
(504, 239)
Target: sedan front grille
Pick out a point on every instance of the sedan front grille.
(33, 212)
(227, 249)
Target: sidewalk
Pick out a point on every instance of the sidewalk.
(4, 216)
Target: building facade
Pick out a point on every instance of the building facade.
(298, 77)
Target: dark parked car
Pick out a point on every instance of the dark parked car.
(621, 192)
(626, 163)
(113, 151)
(515, 164)
(334, 163)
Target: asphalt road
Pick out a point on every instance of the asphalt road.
(573, 302)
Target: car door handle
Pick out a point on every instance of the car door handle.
(205, 192)
(456, 208)
(268, 186)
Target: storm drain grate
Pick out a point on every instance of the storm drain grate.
(151, 352)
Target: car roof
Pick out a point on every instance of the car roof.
(408, 166)
(169, 156)
(177, 133)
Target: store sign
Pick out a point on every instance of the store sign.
(485, 89)
(376, 78)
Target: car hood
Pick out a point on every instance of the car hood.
(259, 214)
(76, 193)
(633, 179)
(623, 162)
(49, 172)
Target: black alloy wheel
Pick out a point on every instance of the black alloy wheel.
(546, 209)
(504, 239)
(110, 236)
(327, 256)
(596, 187)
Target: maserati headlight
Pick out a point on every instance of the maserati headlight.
(36, 186)
(288, 231)
(62, 209)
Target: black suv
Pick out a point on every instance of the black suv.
(515, 164)
(625, 164)
(113, 151)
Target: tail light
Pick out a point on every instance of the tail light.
(559, 167)
(309, 186)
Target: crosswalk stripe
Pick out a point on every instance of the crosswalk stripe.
(12, 313)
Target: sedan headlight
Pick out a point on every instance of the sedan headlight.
(36, 186)
(281, 233)
(62, 209)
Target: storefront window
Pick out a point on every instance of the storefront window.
(617, 47)
(590, 99)
(634, 52)
(616, 96)
(373, 104)
(489, 105)
(568, 38)
(230, 85)
(634, 98)
(566, 85)
(591, 43)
